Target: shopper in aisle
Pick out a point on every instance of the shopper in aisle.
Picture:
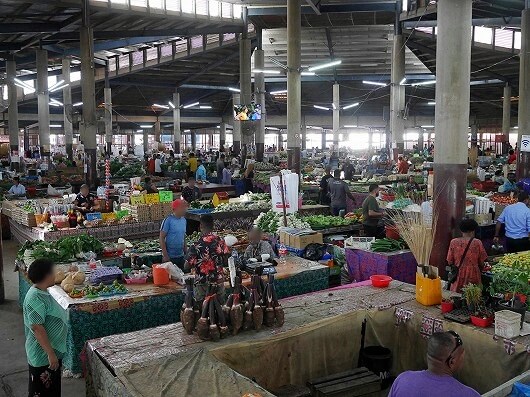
(226, 178)
(151, 167)
(466, 256)
(158, 166)
(191, 192)
(257, 246)
(207, 257)
(445, 356)
(248, 177)
(45, 326)
(323, 188)
(192, 163)
(348, 169)
(173, 234)
(17, 189)
(402, 165)
(372, 214)
(200, 174)
(412, 186)
(220, 165)
(85, 201)
(512, 158)
(338, 191)
(516, 220)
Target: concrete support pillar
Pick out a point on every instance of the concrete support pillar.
(523, 159)
(177, 133)
(397, 93)
(67, 101)
(323, 139)
(193, 140)
(294, 84)
(88, 89)
(12, 112)
(370, 140)
(222, 137)
(453, 67)
(157, 130)
(506, 117)
(420, 140)
(107, 92)
(146, 141)
(280, 140)
(43, 100)
(473, 151)
(336, 117)
(236, 145)
(259, 84)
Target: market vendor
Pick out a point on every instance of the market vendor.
(173, 234)
(191, 192)
(402, 165)
(17, 189)
(338, 191)
(324, 192)
(509, 184)
(149, 186)
(85, 201)
(516, 220)
(200, 174)
(206, 258)
(372, 214)
(257, 246)
(412, 186)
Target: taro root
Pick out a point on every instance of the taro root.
(202, 324)
(257, 317)
(228, 306)
(236, 315)
(248, 321)
(214, 329)
(187, 315)
(223, 329)
(280, 315)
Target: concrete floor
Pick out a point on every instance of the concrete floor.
(13, 364)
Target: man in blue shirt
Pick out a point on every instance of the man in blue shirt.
(173, 235)
(516, 219)
(200, 175)
(17, 189)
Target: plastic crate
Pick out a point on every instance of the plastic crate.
(359, 243)
(507, 324)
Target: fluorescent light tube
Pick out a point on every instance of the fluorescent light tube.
(234, 89)
(156, 105)
(325, 65)
(171, 104)
(205, 107)
(424, 83)
(320, 107)
(278, 92)
(374, 83)
(145, 126)
(190, 105)
(403, 81)
(350, 106)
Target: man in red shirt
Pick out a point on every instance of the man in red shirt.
(403, 165)
(512, 158)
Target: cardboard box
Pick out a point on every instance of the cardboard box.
(300, 241)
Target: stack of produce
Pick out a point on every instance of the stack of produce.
(354, 217)
(63, 250)
(197, 205)
(520, 261)
(146, 246)
(128, 171)
(262, 166)
(270, 222)
(503, 199)
(388, 245)
(248, 206)
(212, 324)
(69, 279)
(326, 221)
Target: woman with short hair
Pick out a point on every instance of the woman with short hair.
(45, 329)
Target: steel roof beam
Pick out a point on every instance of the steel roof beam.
(508, 21)
(12, 28)
(325, 8)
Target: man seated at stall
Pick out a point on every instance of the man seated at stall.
(206, 259)
(257, 246)
(509, 184)
(445, 356)
(85, 201)
(149, 186)
(412, 186)
(191, 192)
(17, 189)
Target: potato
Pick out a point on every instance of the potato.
(68, 287)
(78, 278)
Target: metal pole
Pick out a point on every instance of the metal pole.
(259, 83)
(67, 100)
(397, 91)
(506, 117)
(43, 99)
(89, 127)
(107, 96)
(245, 86)
(523, 160)
(336, 117)
(236, 145)
(12, 112)
(294, 84)
(177, 134)
(222, 137)
(453, 68)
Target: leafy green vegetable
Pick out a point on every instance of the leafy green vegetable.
(62, 250)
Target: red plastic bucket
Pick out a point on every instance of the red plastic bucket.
(160, 275)
(392, 232)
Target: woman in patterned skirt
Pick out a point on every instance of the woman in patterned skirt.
(45, 329)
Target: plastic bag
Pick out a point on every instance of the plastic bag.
(520, 390)
(174, 271)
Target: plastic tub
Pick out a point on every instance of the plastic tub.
(507, 324)
(377, 359)
(447, 306)
(482, 322)
(380, 281)
(160, 275)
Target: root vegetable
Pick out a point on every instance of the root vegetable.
(280, 315)
(59, 276)
(257, 317)
(79, 278)
(248, 321)
(214, 329)
(202, 324)
(188, 316)
(67, 287)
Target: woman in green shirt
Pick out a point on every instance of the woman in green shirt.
(45, 329)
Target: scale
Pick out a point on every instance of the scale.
(259, 268)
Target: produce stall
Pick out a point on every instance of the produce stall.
(315, 325)
(147, 305)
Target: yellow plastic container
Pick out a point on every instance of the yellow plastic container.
(428, 291)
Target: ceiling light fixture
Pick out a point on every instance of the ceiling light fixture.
(266, 71)
(234, 89)
(139, 130)
(350, 126)
(320, 107)
(23, 84)
(350, 106)
(55, 125)
(205, 107)
(56, 84)
(190, 105)
(375, 83)
(308, 73)
(427, 126)
(430, 82)
(431, 103)
(187, 130)
(403, 81)
(278, 92)
(171, 104)
(325, 65)
(60, 87)
(272, 128)
(77, 104)
(156, 105)
(334, 107)
(145, 126)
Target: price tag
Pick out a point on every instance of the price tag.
(93, 216)
(165, 196)
(137, 199)
(152, 198)
(108, 215)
